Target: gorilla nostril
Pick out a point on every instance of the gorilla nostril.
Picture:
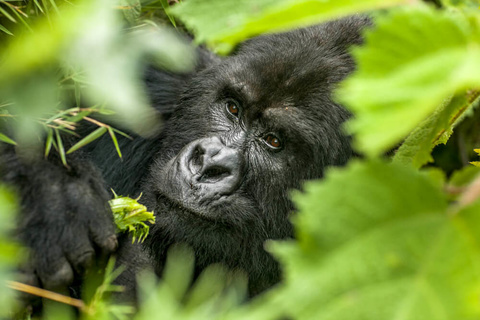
(197, 156)
(214, 173)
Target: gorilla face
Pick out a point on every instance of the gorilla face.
(245, 132)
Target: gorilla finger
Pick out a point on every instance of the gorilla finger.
(102, 232)
(80, 254)
(28, 278)
(54, 278)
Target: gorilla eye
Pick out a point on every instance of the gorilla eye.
(273, 141)
(232, 107)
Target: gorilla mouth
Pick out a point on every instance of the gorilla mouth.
(178, 206)
(214, 174)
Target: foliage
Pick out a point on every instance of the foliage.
(241, 19)
(10, 252)
(393, 249)
(131, 216)
(61, 64)
(416, 66)
(476, 163)
(375, 240)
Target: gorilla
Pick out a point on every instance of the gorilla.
(239, 133)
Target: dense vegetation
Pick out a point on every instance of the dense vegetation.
(394, 235)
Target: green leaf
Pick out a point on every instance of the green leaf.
(6, 139)
(2, 28)
(115, 142)
(10, 252)
(165, 7)
(97, 133)
(61, 149)
(466, 4)
(48, 142)
(378, 241)
(224, 23)
(131, 10)
(436, 129)
(414, 59)
(37, 4)
(6, 14)
(131, 216)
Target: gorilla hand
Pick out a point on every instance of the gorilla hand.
(65, 220)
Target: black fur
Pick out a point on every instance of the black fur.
(210, 176)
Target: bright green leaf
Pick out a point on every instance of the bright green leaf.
(115, 141)
(6, 139)
(2, 28)
(97, 133)
(48, 142)
(378, 241)
(60, 148)
(414, 59)
(10, 252)
(436, 129)
(131, 216)
(234, 20)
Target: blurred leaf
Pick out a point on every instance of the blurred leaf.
(416, 57)
(476, 163)
(6, 14)
(215, 293)
(131, 10)
(10, 252)
(6, 139)
(436, 129)
(100, 306)
(114, 71)
(224, 23)
(464, 176)
(89, 138)
(378, 241)
(31, 98)
(2, 28)
(466, 4)
(48, 142)
(165, 7)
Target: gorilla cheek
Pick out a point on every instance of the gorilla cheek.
(204, 172)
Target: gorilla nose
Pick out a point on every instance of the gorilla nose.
(214, 162)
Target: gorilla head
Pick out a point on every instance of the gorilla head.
(245, 131)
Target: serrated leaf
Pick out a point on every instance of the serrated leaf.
(97, 133)
(378, 241)
(131, 216)
(415, 57)
(236, 20)
(436, 129)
